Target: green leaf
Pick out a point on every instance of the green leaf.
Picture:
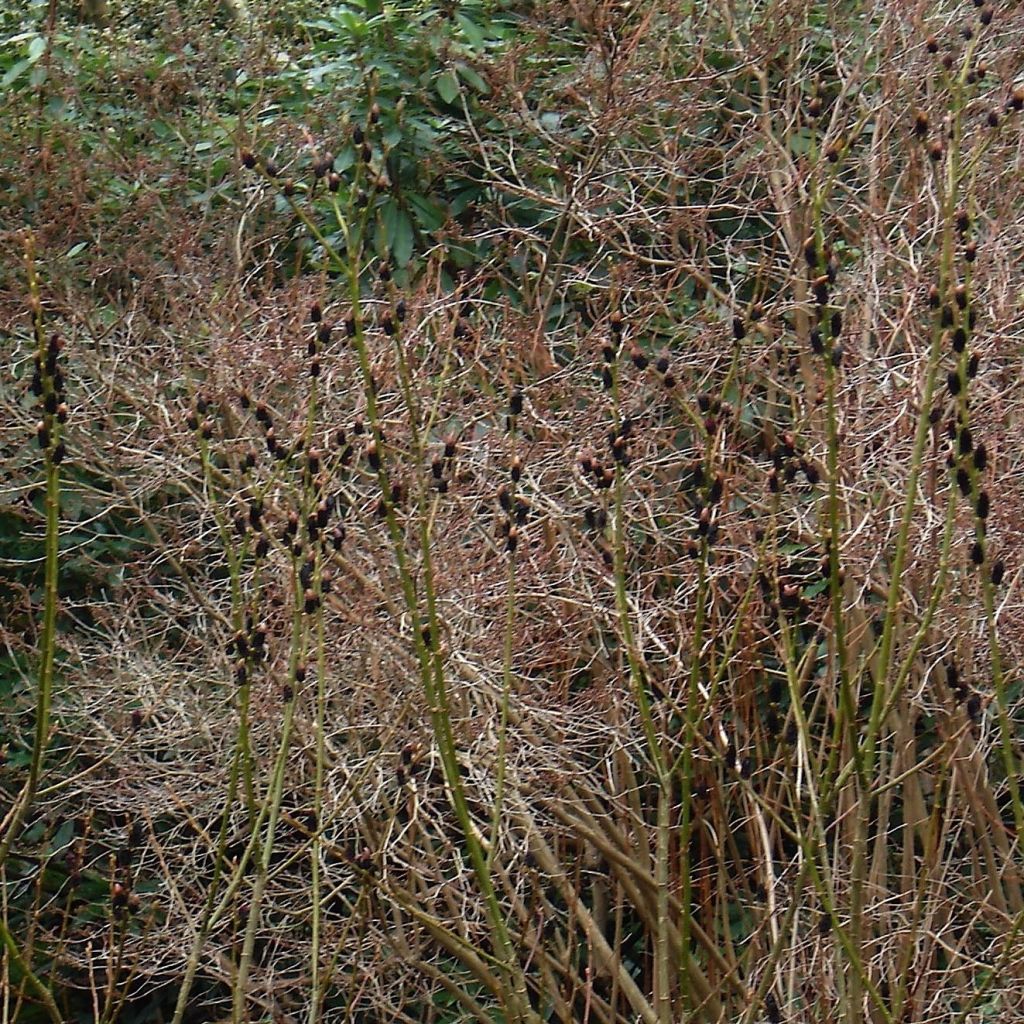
(14, 72)
(430, 215)
(473, 79)
(447, 86)
(398, 232)
(471, 30)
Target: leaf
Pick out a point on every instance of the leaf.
(14, 72)
(471, 30)
(430, 215)
(447, 86)
(474, 79)
(397, 231)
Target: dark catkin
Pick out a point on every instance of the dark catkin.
(58, 453)
(959, 340)
(821, 289)
(932, 44)
(977, 553)
(936, 151)
(983, 507)
(248, 159)
(965, 441)
(811, 251)
(607, 379)
(935, 415)
(986, 15)
(920, 124)
(980, 458)
(262, 546)
(504, 498)
(953, 382)
(450, 444)
(373, 456)
(716, 489)
(934, 297)
(963, 481)
(960, 295)
(947, 316)
(811, 472)
(511, 539)
(739, 328)
(310, 601)
(971, 251)
(973, 707)
(515, 403)
(992, 119)
(773, 480)
(998, 572)
(1015, 101)
(836, 324)
(972, 366)
(837, 356)
(516, 468)
(608, 352)
(669, 381)
(638, 358)
(817, 344)
(661, 364)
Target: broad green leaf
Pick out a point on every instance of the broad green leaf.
(447, 86)
(471, 31)
(14, 72)
(472, 78)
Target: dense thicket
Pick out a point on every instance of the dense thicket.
(510, 512)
